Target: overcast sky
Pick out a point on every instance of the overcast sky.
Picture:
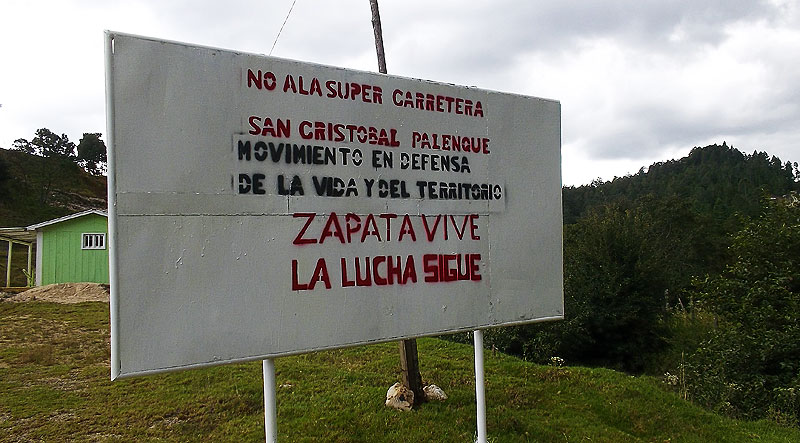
(639, 81)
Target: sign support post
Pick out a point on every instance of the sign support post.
(8, 266)
(409, 358)
(270, 403)
(480, 391)
(409, 366)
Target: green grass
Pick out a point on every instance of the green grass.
(54, 386)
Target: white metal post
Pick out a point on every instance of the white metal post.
(480, 391)
(8, 267)
(30, 271)
(270, 408)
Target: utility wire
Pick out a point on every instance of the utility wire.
(281, 30)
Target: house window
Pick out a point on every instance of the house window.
(94, 241)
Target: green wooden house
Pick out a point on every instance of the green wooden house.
(72, 249)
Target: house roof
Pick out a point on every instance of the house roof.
(18, 235)
(65, 218)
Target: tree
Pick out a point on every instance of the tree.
(717, 180)
(619, 261)
(92, 153)
(750, 367)
(47, 144)
(25, 146)
(56, 152)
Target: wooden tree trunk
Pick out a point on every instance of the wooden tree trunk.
(409, 359)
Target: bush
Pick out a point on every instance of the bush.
(620, 262)
(749, 366)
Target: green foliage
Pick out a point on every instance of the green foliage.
(5, 175)
(52, 162)
(56, 155)
(621, 266)
(92, 153)
(54, 386)
(42, 188)
(750, 367)
(47, 144)
(718, 180)
(631, 248)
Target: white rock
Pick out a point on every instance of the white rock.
(433, 392)
(399, 397)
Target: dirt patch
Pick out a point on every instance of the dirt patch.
(64, 293)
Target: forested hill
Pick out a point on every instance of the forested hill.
(35, 188)
(719, 181)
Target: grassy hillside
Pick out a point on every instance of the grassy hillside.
(38, 189)
(54, 386)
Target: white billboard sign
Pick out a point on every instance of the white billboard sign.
(262, 207)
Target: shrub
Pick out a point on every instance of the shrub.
(749, 366)
(620, 262)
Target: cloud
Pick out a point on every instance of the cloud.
(627, 99)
